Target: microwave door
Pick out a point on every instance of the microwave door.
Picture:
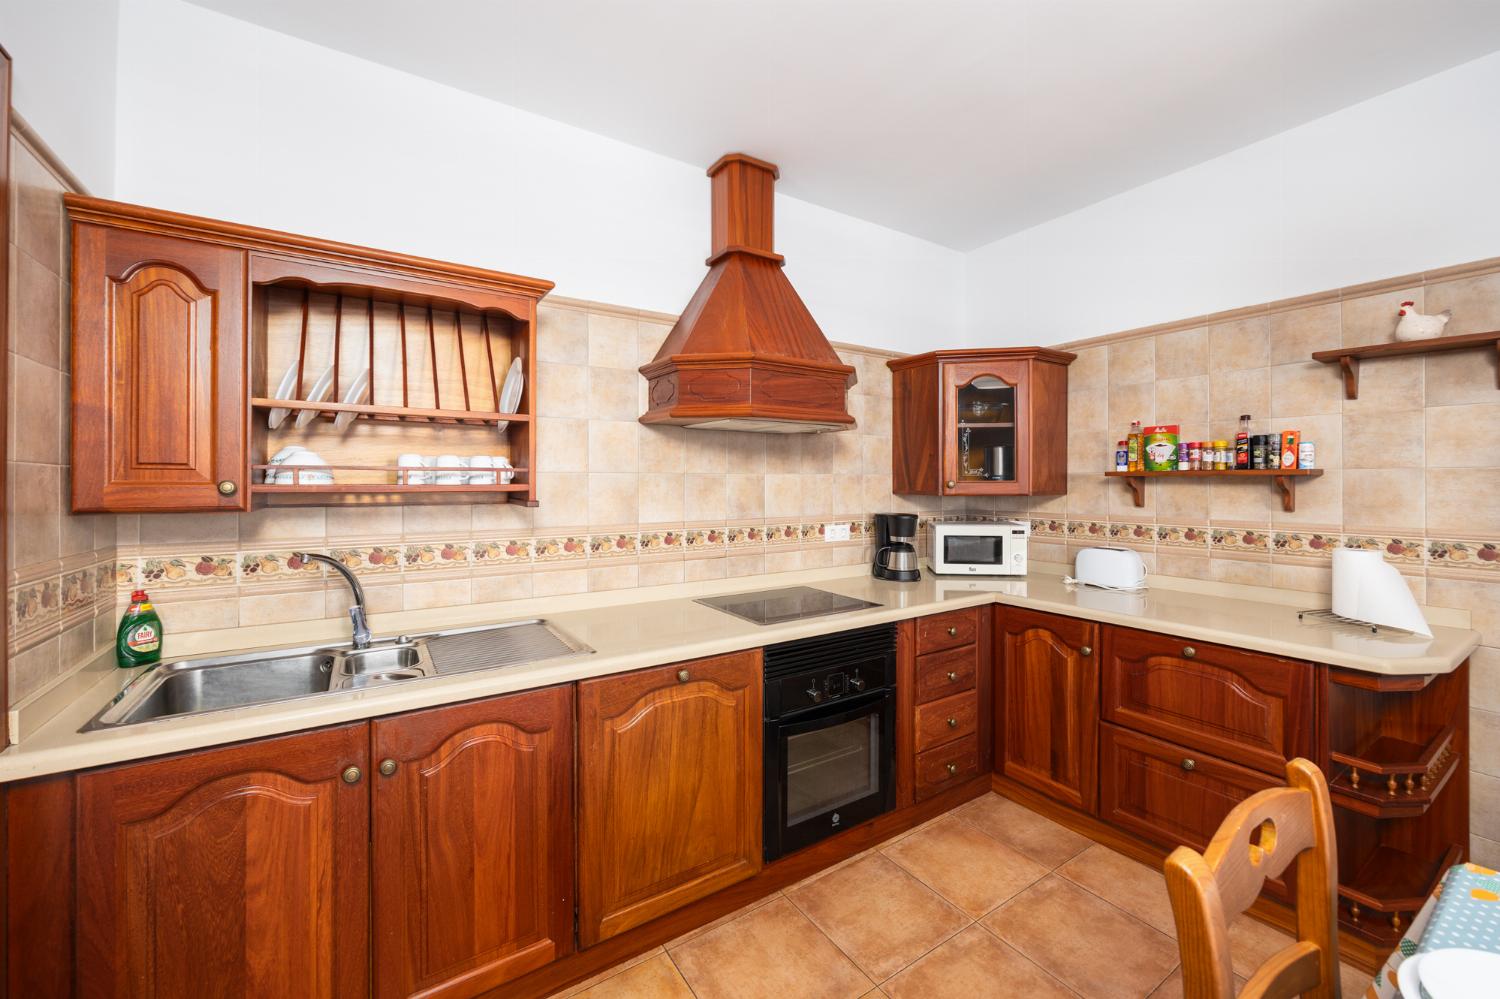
(974, 549)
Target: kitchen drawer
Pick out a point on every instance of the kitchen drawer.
(951, 718)
(944, 631)
(1166, 793)
(941, 768)
(1252, 709)
(942, 674)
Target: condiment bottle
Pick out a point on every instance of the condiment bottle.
(1133, 447)
(1122, 457)
(1221, 455)
(138, 640)
(1242, 444)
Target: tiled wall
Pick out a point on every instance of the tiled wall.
(621, 505)
(61, 574)
(1412, 467)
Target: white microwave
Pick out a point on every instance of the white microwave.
(992, 548)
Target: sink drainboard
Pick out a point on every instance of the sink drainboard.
(524, 642)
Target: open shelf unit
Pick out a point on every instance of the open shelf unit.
(1383, 894)
(1284, 480)
(1349, 358)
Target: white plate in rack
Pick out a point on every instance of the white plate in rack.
(319, 393)
(358, 389)
(283, 391)
(510, 394)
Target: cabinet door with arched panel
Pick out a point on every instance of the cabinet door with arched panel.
(159, 411)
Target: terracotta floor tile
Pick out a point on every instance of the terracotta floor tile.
(1018, 827)
(1172, 987)
(610, 972)
(974, 871)
(772, 952)
(977, 965)
(1091, 946)
(728, 918)
(1251, 942)
(879, 915)
(656, 978)
(1114, 877)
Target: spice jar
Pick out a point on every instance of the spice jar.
(1222, 454)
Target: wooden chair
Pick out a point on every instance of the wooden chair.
(1259, 840)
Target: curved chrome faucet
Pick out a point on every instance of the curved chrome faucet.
(357, 612)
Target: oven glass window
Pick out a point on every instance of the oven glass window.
(830, 767)
(968, 549)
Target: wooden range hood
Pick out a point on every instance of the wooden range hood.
(746, 354)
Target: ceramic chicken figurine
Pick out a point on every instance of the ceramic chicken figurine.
(1414, 326)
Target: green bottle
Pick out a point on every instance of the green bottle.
(138, 641)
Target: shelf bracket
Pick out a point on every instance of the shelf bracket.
(1350, 366)
(1287, 486)
(1138, 488)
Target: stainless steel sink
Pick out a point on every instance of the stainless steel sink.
(195, 686)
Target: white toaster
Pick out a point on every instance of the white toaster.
(1110, 568)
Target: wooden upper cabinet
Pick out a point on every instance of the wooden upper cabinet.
(235, 871)
(669, 789)
(159, 400)
(980, 422)
(473, 834)
(1048, 692)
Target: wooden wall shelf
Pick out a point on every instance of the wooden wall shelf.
(1283, 479)
(328, 410)
(1348, 358)
(1390, 886)
(1392, 777)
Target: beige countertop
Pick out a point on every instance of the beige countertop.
(635, 629)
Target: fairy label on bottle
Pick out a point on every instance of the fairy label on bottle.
(143, 638)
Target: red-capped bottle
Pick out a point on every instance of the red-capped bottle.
(138, 642)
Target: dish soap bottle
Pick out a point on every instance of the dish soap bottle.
(138, 641)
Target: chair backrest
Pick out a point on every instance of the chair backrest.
(1256, 841)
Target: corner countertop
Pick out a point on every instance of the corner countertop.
(632, 629)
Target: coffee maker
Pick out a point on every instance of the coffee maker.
(895, 556)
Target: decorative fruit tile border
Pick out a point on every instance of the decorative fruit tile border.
(127, 574)
(1296, 544)
(661, 542)
(747, 536)
(35, 611)
(1398, 551)
(434, 555)
(277, 566)
(186, 570)
(1172, 536)
(1137, 535)
(371, 559)
(1088, 530)
(1239, 539)
(703, 540)
(503, 551)
(1465, 556)
(560, 549)
(612, 545)
(813, 532)
(1049, 528)
(783, 534)
(77, 587)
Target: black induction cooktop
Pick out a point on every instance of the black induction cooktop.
(789, 604)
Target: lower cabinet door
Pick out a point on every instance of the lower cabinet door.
(473, 843)
(1165, 793)
(239, 871)
(669, 789)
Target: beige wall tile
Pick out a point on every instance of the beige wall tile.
(280, 608)
(706, 498)
(1464, 502)
(38, 311)
(1090, 453)
(1463, 436)
(189, 529)
(501, 586)
(784, 495)
(745, 454)
(1184, 503)
(491, 519)
(563, 390)
(1306, 389)
(1372, 318)
(1183, 401)
(1320, 502)
(557, 582)
(362, 522)
(1232, 392)
(1474, 301)
(661, 449)
(1091, 495)
(562, 499)
(1239, 502)
(38, 224)
(649, 338)
(38, 428)
(1087, 411)
(562, 444)
(1484, 678)
(1183, 354)
(612, 446)
(695, 569)
(1296, 334)
(447, 522)
(1244, 343)
(784, 452)
(1309, 578)
(1132, 362)
(746, 496)
(1391, 384)
(444, 592)
(1246, 572)
(1458, 376)
(1384, 499)
(612, 341)
(613, 577)
(706, 451)
(613, 394)
(659, 573)
(562, 336)
(817, 495)
(263, 527)
(1089, 372)
(1374, 439)
(1131, 402)
(662, 498)
(612, 498)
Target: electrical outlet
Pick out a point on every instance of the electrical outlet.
(836, 532)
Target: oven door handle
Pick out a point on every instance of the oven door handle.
(824, 714)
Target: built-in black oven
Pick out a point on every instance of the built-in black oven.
(830, 711)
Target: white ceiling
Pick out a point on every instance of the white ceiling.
(960, 121)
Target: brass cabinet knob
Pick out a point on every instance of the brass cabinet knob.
(952, 632)
(227, 488)
(952, 677)
(1190, 764)
(352, 775)
(682, 676)
(951, 483)
(953, 723)
(952, 769)
(1188, 652)
(387, 767)
(1086, 650)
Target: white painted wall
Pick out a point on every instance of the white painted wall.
(270, 130)
(1397, 184)
(63, 79)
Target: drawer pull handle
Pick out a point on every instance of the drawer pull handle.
(952, 632)
(682, 676)
(951, 483)
(952, 677)
(952, 769)
(1188, 652)
(1190, 764)
(1086, 650)
(351, 775)
(387, 767)
(227, 487)
(953, 723)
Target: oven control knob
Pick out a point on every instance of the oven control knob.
(856, 683)
(815, 694)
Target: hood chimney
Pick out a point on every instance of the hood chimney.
(746, 354)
